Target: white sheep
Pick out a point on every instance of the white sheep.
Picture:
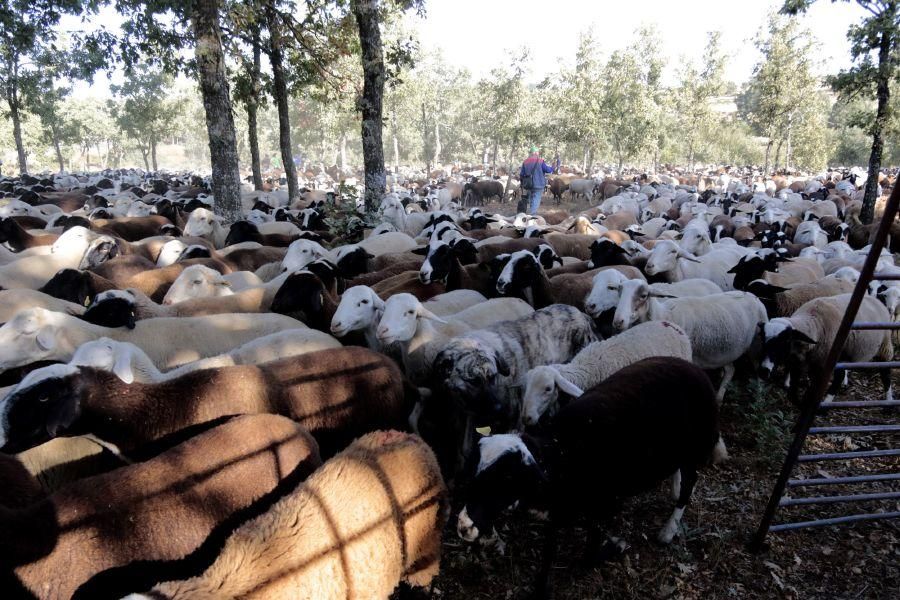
(422, 334)
(596, 362)
(722, 327)
(672, 261)
(38, 334)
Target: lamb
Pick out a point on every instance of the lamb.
(383, 496)
(162, 509)
(39, 334)
(335, 394)
(596, 362)
(653, 419)
(802, 341)
(722, 327)
(129, 363)
(408, 322)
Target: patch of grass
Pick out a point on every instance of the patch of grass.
(763, 421)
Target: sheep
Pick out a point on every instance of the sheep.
(61, 461)
(802, 341)
(809, 233)
(156, 282)
(386, 243)
(75, 249)
(360, 309)
(14, 301)
(245, 231)
(578, 246)
(301, 253)
(17, 239)
(722, 327)
(408, 322)
(654, 419)
(204, 224)
(39, 334)
(482, 369)
(667, 259)
(382, 496)
(77, 287)
(596, 362)
(129, 363)
(335, 394)
(783, 302)
(775, 270)
(200, 281)
(163, 509)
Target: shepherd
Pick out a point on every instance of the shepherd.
(532, 177)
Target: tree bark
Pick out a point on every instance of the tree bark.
(867, 214)
(144, 156)
(210, 57)
(153, 154)
(280, 92)
(777, 155)
(342, 153)
(59, 157)
(366, 13)
(768, 153)
(437, 142)
(252, 108)
(17, 133)
(395, 140)
(494, 157)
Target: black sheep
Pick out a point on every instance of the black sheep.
(654, 419)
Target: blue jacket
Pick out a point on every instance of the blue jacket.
(531, 166)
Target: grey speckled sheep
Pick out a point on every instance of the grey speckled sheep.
(596, 362)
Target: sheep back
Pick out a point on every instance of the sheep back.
(166, 507)
(367, 519)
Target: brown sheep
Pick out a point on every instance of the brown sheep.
(368, 519)
(162, 509)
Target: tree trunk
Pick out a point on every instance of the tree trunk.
(584, 160)
(252, 108)
(494, 158)
(153, 154)
(590, 162)
(777, 156)
(867, 214)
(765, 172)
(280, 92)
(144, 156)
(17, 132)
(395, 141)
(437, 142)
(59, 157)
(366, 13)
(210, 57)
(425, 141)
(342, 153)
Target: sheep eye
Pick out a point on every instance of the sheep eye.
(196, 282)
(363, 301)
(549, 389)
(409, 312)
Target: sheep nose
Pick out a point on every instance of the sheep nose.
(382, 332)
(619, 324)
(591, 307)
(765, 373)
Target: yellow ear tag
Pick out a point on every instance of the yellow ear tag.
(87, 300)
(483, 430)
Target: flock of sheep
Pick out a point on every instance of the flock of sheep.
(267, 410)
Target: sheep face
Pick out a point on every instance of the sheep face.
(782, 344)
(302, 296)
(201, 223)
(258, 217)
(696, 241)
(107, 355)
(170, 253)
(520, 272)
(663, 258)
(42, 406)
(507, 473)
(112, 309)
(353, 262)
(401, 318)
(360, 308)
(436, 266)
(547, 256)
(470, 371)
(634, 304)
(300, 253)
(242, 231)
(605, 253)
(70, 284)
(750, 268)
(28, 337)
(197, 281)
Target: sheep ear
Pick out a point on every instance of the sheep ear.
(420, 251)
(558, 259)
(688, 256)
(122, 366)
(46, 338)
(502, 365)
(799, 336)
(565, 385)
(427, 314)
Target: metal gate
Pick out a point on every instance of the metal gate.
(812, 405)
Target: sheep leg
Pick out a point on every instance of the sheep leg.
(676, 485)
(543, 587)
(885, 375)
(837, 380)
(727, 374)
(688, 480)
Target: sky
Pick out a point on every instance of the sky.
(478, 33)
(481, 34)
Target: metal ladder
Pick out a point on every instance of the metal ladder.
(812, 405)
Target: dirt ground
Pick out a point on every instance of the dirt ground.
(710, 559)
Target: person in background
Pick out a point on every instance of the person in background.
(532, 177)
